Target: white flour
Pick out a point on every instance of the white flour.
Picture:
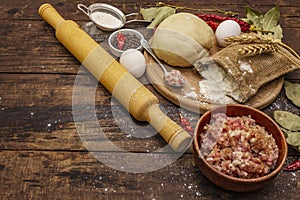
(217, 86)
(106, 20)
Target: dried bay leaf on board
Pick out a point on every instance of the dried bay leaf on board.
(293, 139)
(157, 14)
(285, 131)
(287, 120)
(292, 91)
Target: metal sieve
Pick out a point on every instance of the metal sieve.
(111, 11)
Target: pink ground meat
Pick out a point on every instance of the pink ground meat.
(239, 147)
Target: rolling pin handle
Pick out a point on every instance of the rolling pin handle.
(50, 15)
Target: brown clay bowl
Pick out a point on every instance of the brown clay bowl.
(233, 183)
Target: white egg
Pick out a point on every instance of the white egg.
(134, 61)
(225, 29)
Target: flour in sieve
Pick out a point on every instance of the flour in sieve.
(106, 20)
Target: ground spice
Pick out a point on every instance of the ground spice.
(132, 41)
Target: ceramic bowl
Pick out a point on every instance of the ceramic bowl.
(114, 49)
(229, 182)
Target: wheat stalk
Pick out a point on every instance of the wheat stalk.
(248, 38)
(252, 50)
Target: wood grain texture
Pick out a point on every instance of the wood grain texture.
(21, 33)
(73, 175)
(41, 153)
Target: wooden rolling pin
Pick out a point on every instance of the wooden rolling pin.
(136, 98)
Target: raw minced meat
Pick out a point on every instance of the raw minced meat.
(239, 147)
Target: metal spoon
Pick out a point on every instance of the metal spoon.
(173, 78)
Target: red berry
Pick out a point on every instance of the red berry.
(213, 21)
(212, 24)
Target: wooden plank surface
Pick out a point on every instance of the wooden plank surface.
(77, 175)
(21, 28)
(42, 156)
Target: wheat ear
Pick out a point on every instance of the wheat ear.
(252, 50)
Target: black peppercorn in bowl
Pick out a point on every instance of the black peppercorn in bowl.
(235, 144)
(123, 39)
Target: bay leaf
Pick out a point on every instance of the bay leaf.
(285, 131)
(254, 16)
(156, 14)
(248, 21)
(287, 120)
(293, 139)
(271, 19)
(149, 13)
(292, 91)
(265, 24)
(252, 13)
(277, 32)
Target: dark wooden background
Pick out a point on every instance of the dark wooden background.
(41, 154)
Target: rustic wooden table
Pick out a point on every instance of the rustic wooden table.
(42, 155)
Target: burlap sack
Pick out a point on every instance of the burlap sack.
(253, 63)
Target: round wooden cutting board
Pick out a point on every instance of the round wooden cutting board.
(188, 97)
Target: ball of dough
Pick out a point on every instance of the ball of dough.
(181, 39)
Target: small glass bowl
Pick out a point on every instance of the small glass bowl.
(117, 52)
